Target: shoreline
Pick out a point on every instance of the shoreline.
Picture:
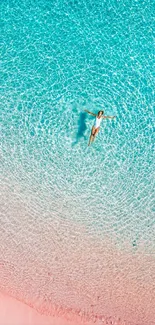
(15, 312)
(58, 268)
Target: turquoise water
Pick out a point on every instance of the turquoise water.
(58, 58)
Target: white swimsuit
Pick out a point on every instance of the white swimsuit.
(97, 122)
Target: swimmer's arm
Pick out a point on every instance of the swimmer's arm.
(109, 117)
(89, 112)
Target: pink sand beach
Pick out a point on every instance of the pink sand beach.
(14, 312)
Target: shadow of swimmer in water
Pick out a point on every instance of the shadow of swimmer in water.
(81, 127)
(96, 127)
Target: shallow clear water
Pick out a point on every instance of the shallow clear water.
(58, 58)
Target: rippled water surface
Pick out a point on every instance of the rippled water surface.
(59, 58)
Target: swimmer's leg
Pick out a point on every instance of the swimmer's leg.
(90, 139)
(92, 135)
(96, 132)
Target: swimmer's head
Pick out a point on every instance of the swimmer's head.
(100, 113)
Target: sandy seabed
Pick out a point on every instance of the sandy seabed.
(54, 267)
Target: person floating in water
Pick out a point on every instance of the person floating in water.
(96, 127)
